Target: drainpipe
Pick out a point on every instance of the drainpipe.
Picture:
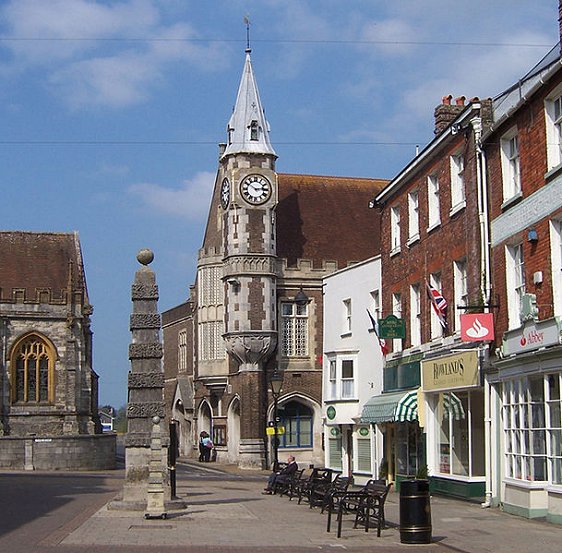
(485, 288)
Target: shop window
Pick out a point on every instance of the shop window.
(410, 449)
(297, 420)
(525, 429)
(32, 362)
(461, 433)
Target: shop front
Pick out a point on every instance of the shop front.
(394, 416)
(527, 382)
(454, 424)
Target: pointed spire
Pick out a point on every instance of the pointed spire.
(248, 129)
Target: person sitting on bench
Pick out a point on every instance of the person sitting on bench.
(282, 476)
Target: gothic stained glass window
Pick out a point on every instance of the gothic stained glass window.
(32, 361)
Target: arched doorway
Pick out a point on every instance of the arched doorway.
(184, 429)
(205, 419)
(233, 431)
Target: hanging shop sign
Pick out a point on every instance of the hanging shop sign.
(392, 328)
(331, 412)
(450, 372)
(477, 327)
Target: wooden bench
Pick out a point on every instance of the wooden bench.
(367, 504)
(304, 487)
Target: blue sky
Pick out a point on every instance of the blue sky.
(112, 112)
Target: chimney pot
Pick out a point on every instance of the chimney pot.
(460, 100)
(446, 100)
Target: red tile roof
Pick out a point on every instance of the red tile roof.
(32, 260)
(327, 218)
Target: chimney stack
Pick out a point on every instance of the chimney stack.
(445, 113)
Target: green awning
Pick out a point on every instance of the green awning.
(381, 408)
(407, 408)
(403, 407)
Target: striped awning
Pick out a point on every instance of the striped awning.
(407, 408)
(381, 408)
(403, 407)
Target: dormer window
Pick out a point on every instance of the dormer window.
(254, 130)
(229, 131)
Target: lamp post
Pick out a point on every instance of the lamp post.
(276, 381)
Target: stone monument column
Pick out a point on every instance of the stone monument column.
(146, 393)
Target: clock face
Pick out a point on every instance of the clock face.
(255, 189)
(225, 193)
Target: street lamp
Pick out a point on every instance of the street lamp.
(276, 381)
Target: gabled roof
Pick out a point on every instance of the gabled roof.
(40, 260)
(248, 112)
(327, 218)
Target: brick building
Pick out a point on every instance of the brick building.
(523, 148)
(432, 240)
(256, 306)
(49, 390)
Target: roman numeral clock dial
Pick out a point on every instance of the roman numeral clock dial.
(255, 189)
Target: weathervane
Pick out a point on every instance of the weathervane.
(247, 23)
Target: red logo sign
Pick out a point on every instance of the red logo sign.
(477, 327)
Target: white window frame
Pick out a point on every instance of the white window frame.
(553, 120)
(458, 199)
(347, 389)
(461, 289)
(376, 304)
(434, 214)
(556, 260)
(413, 217)
(397, 312)
(347, 321)
(526, 439)
(515, 283)
(415, 315)
(510, 163)
(294, 330)
(435, 325)
(331, 378)
(394, 230)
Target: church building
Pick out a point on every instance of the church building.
(256, 309)
(48, 388)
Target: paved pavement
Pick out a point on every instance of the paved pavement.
(227, 513)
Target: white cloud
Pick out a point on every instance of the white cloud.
(191, 200)
(118, 68)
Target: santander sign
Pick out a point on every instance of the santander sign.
(477, 327)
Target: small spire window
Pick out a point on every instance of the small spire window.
(254, 130)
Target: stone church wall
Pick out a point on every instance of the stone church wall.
(96, 452)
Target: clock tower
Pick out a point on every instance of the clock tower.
(248, 197)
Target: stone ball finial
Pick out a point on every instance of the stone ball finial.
(156, 419)
(145, 256)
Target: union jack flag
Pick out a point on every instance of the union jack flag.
(439, 304)
(382, 342)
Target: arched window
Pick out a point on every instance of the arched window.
(297, 420)
(32, 364)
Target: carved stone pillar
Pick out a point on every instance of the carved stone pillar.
(146, 393)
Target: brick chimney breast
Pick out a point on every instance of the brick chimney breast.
(445, 113)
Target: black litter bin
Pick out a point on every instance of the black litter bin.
(415, 512)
